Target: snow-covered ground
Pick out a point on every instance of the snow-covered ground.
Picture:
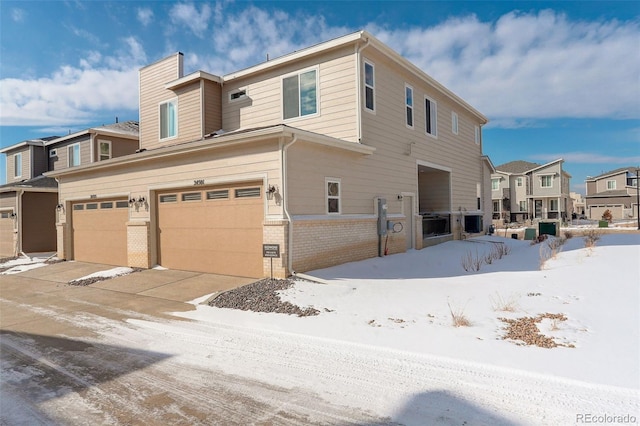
(384, 342)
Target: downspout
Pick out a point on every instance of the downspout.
(19, 219)
(359, 89)
(285, 205)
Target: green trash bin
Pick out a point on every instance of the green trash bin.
(530, 234)
(603, 224)
(548, 228)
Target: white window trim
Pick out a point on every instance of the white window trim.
(406, 105)
(79, 155)
(434, 124)
(542, 181)
(298, 73)
(477, 134)
(612, 186)
(497, 180)
(519, 181)
(239, 98)
(53, 153)
(17, 159)
(328, 180)
(174, 101)
(100, 141)
(365, 85)
(454, 123)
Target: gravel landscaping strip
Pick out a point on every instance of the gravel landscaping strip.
(261, 296)
(526, 330)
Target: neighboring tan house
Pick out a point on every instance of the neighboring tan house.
(578, 205)
(521, 190)
(28, 201)
(311, 154)
(616, 191)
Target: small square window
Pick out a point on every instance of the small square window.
(53, 153)
(238, 94)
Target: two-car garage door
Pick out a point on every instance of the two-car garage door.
(213, 229)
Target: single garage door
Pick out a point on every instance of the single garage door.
(7, 245)
(100, 231)
(214, 230)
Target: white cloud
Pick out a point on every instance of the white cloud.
(75, 94)
(145, 15)
(589, 158)
(18, 15)
(531, 66)
(187, 14)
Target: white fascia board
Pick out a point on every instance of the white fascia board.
(193, 77)
(297, 55)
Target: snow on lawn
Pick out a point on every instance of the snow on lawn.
(405, 302)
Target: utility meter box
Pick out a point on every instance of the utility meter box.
(382, 216)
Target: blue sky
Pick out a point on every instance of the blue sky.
(556, 79)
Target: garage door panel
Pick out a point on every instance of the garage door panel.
(222, 235)
(100, 235)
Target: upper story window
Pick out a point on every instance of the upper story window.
(300, 94)
(369, 87)
(477, 134)
(519, 181)
(17, 165)
(495, 184)
(611, 184)
(104, 150)
(546, 181)
(169, 119)
(74, 154)
(408, 99)
(454, 123)
(431, 117)
(53, 153)
(333, 195)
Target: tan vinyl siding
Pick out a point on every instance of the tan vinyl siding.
(8, 201)
(398, 147)
(262, 158)
(40, 160)
(189, 114)
(119, 147)
(212, 107)
(556, 181)
(61, 160)
(263, 105)
(25, 161)
(152, 92)
(620, 179)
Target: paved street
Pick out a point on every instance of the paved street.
(57, 368)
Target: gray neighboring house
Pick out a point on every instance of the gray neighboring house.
(616, 191)
(29, 200)
(522, 190)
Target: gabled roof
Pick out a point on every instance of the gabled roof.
(40, 182)
(631, 169)
(33, 142)
(126, 129)
(517, 167)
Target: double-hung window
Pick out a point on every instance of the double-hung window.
(611, 184)
(74, 154)
(169, 119)
(333, 190)
(495, 184)
(553, 205)
(104, 150)
(369, 87)
(523, 206)
(519, 181)
(17, 165)
(300, 94)
(430, 117)
(546, 181)
(408, 99)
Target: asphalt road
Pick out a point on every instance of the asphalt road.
(56, 367)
